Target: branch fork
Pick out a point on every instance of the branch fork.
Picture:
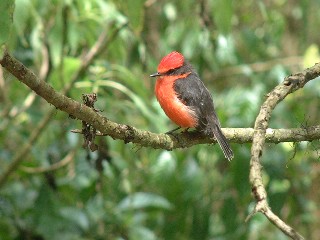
(290, 84)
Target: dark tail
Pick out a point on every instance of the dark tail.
(221, 139)
(223, 143)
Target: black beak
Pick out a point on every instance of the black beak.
(155, 74)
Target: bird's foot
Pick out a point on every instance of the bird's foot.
(173, 130)
(186, 130)
(172, 133)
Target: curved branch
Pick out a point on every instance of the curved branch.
(66, 160)
(290, 84)
(19, 156)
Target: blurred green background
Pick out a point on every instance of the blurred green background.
(241, 49)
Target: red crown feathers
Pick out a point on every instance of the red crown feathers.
(171, 61)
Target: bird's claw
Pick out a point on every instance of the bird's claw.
(173, 130)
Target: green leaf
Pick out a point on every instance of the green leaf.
(138, 232)
(134, 11)
(6, 19)
(311, 56)
(228, 211)
(222, 13)
(23, 13)
(76, 216)
(144, 200)
(46, 217)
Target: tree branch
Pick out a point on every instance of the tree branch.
(290, 84)
(291, 62)
(65, 161)
(144, 138)
(243, 135)
(19, 156)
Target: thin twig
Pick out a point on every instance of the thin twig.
(259, 66)
(20, 155)
(290, 84)
(65, 161)
(44, 71)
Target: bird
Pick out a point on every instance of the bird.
(186, 100)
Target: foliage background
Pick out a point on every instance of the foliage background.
(242, 49)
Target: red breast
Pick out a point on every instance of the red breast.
(174, 108)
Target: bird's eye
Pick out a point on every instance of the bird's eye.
(170, 72)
